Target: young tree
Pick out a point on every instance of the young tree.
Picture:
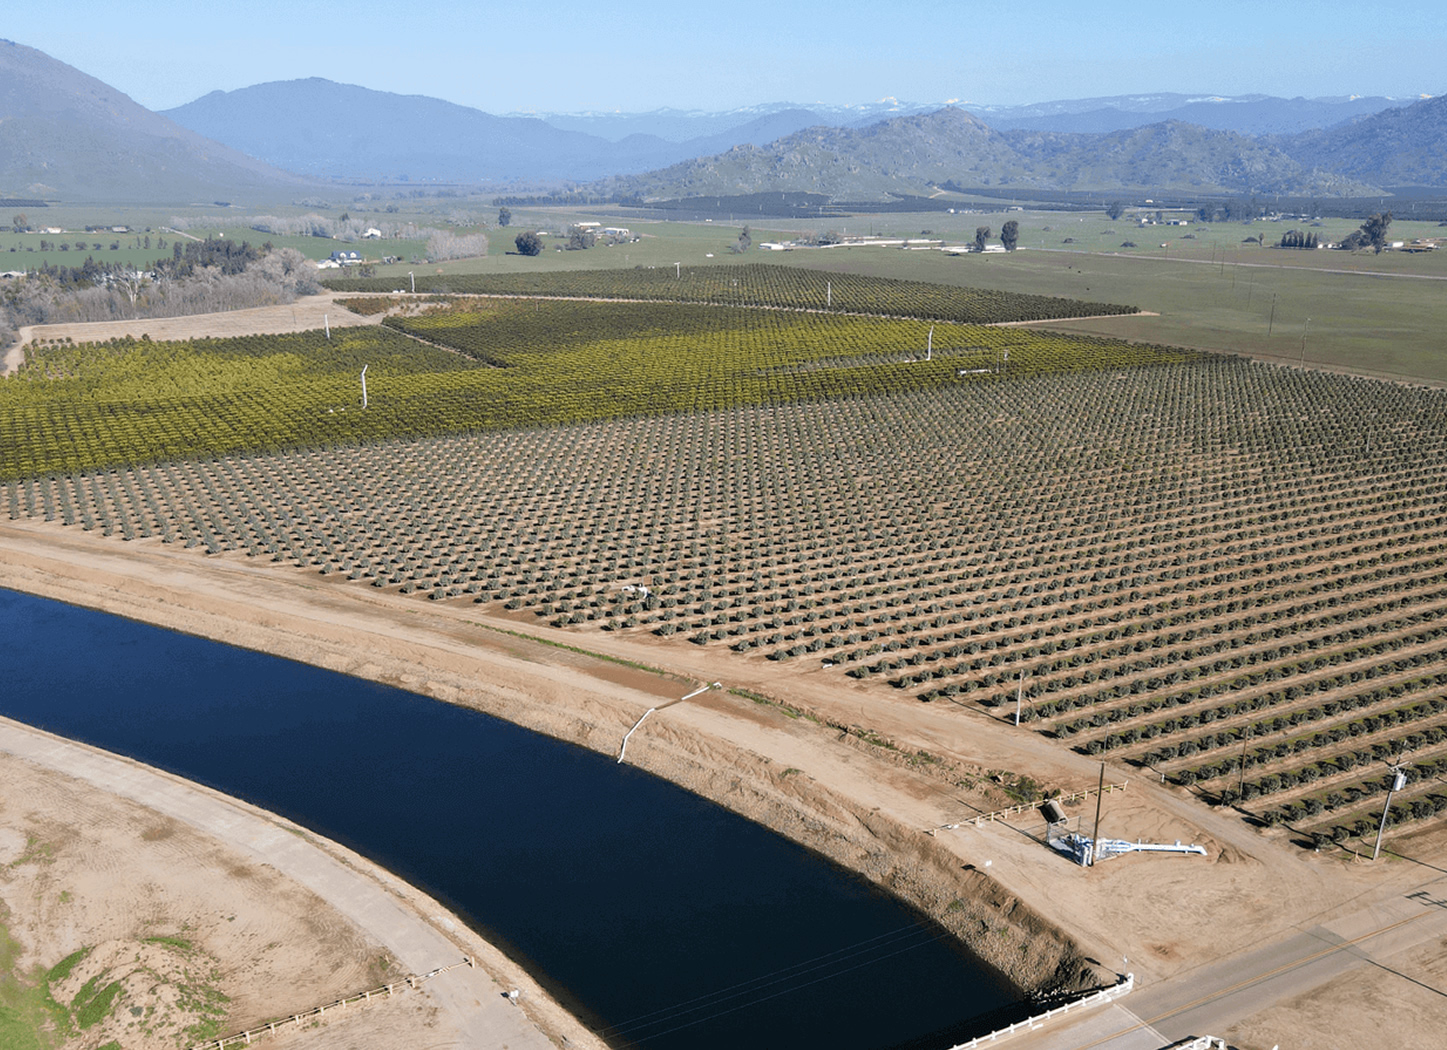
(20, 223)
(982, 234)
(745, 241)
(528, 243)
(1010, 235)
(504, 216)
(1115, 209)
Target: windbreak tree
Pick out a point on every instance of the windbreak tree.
(1375, 229)
(528, 243)
(982, 234)
(1010, 235)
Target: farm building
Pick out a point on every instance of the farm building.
(346, 256)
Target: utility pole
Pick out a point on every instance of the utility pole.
(1241, 764)
(1099, 795)
(1399, 781)
(1019, 697)
(1271, 323)
(1304, 329)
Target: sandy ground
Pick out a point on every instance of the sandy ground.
(306, 314)
(864, 797)
(198, 896)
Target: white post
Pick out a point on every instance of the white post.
(828, 295)
(1019, 697)
(678, 270)
(364, 386)
(326, 320)
(414, 281)
(930, 346)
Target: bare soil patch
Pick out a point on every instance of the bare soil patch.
(192, 931)
(306, 314)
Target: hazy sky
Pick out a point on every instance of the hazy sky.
(566, 55)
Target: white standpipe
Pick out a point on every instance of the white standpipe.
(364, 386)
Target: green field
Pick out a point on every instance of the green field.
(519, 363)
(1376, 314)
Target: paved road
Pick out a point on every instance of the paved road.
(468, 998)
(1210, 999)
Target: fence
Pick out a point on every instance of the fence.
(1025, 807)
(1095, 998)
(245, 1038)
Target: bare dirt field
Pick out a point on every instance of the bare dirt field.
(306, 314)
(837, 768)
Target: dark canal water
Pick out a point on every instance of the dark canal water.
(663, 920)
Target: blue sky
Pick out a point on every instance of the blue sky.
(631, 55)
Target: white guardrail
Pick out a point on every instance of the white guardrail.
(1095, 998)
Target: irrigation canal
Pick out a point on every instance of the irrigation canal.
(661, 919)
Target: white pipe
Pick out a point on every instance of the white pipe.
(630, 732)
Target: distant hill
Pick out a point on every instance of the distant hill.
(748, 124)
(66, 135)
(322, 128)
(909, 154)
(1397, 147)
(1244, 114)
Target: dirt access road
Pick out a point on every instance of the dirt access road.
(838, 769)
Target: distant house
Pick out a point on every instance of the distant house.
(372, 234)
(346, 257)
(616, 231)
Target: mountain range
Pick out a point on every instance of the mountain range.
(907, 154)
(66, 135)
